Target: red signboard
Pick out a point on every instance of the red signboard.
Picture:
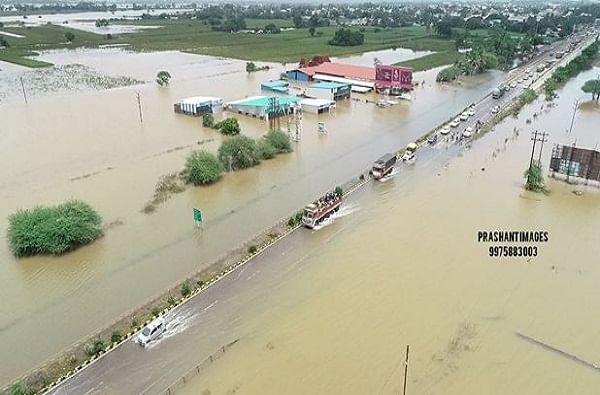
(393, 77)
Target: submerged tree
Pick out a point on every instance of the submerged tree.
(593, 87)
(535, 179)
(163, 78)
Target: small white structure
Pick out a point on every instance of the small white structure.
(329, 90)
(199, 105)
(317, 106)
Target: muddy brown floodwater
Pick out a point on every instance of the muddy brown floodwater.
(406, 268)
(91, 146)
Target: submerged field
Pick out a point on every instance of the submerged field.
(196, 37)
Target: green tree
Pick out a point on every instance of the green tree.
(163, 78)
(239, 152)
(535, 179)
(443, 28)
(298, 21)
(280, 141)
(208, 120)
(272, 29)
(312, 31)
(347, 37)
(70, 36)
(202, 168)
(229, 127)
(102, 22)
(53, 230)
(250, 67)
(593, 87)
(4, 43)
(264, 149)
(18, 389)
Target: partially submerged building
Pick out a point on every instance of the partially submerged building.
(264, 107)
(329, 90)
(278, 86)
(317, 106)
(359, 78)
(199, 105)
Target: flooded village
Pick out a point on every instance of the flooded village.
(324, 310)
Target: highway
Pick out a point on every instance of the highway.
(212, 319)
(483, 109)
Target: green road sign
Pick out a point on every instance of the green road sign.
(197, 215)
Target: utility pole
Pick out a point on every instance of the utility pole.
(596, 92)
(534, 139)
(139, 101)
(23, 88)
(405, 369)
(571, 160)
(575, 106)
(543, 139)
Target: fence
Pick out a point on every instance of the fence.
(196, 370)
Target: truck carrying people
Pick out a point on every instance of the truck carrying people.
(384, 166)
(323, 208)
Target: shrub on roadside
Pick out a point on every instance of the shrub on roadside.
(116, 337)
(186, 289)
(202, 168)
(19, 389)
(53, 230)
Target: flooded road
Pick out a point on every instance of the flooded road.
(406, 268)
(92, 146)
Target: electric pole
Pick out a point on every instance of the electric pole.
(23, 88)
(575, 106)
(542, 140)
(571, 160)
(536, 137)
(139, 101)
(405, 369)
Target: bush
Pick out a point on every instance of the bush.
(448, 74)
(186, 289)
(252, 249)
(18, 389)
(53, 230)
(229, 127)
(156, 311)
(208, 120)
(95, 348)
(264, 149)
(339, 191)
(528, 96)
(202, 168)
(250, 67)
(280, 141)
(535, 179)
(69, 36)
(135, 323)
(239, 152)
(116, 337)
